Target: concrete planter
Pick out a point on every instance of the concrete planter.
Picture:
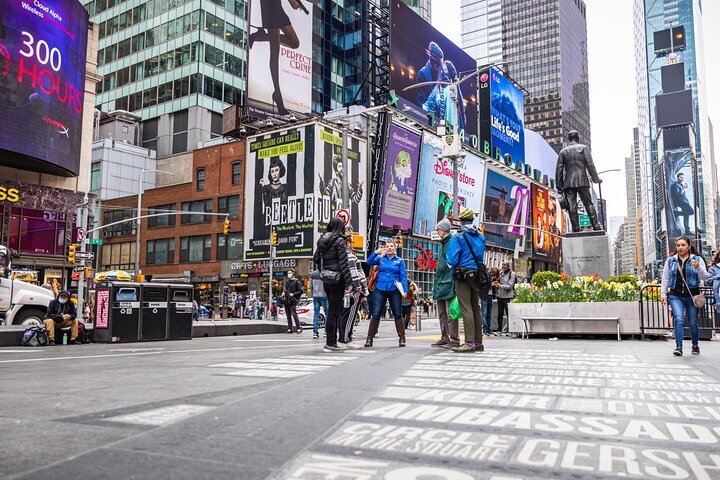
(627, 311)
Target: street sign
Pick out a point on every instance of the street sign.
(78, 268)
(80, 234)
(84, 255)
(344, 216)
(95, 241)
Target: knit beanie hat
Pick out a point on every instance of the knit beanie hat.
(444, 225)
(467, 214)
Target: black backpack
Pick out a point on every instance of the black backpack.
(35, 336)
(481, 277)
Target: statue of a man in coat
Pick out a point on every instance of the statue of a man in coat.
(574, 164)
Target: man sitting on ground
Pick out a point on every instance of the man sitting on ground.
(61, 313)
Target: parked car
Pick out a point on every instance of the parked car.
(305, 311)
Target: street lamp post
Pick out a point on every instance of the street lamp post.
(604, 213)
(139, 206)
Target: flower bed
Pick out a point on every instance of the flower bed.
(577, 289)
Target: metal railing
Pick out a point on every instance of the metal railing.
(656, 318)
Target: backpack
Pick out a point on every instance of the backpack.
(481, 278)
(34, 336)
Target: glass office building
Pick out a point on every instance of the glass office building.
(652, 16)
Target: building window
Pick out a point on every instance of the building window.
(200, 179)
(230, 246)
(236, 173)
(118, 256)
(202, 206)
(163, 221)
(160, 252)
(121, 229)
(96, 175)
(230, 205)
(195, 249)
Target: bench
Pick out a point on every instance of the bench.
(526, 320)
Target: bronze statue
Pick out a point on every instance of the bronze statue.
(571, 177)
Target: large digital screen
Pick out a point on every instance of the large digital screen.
(548, 225)
(42, 81)
(680, 207)
(419, 53)
(502, 117)
(507, 209)
(280, 57)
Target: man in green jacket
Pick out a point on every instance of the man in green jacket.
(444, 290)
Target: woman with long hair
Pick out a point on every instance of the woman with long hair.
(713, 279)
(331, 256)
(276, 30)
(392, 276)
(680, 282)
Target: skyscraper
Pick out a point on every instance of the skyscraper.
(544, 48)
(421, 7)
(652, 16)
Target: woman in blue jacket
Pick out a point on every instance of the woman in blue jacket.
(680, 281)
(391, 270)
(713, 279)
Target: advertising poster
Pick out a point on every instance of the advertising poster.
(280, 55)
(42, 81)
(502, 117)
(547, 221)
(434, 199)
(507, 208)
(400, 178)
(420, 53)
(329, 178)
(679, 194)
(279, 184)
(102, 308)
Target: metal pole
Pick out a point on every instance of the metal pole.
(83, 244)
(270, 269)
(345, 200)
(456, 192)
(137, 227)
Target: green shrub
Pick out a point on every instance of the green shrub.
(540, 279)
(625, 278)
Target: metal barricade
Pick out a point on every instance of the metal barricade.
(655, 318)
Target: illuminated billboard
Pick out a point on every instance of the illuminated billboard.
(42, 81)
(280, 56)
(502, 117)
(419, 53)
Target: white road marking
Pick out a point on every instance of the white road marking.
(157, 417)
(27, 350)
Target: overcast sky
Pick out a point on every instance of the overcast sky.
(613, 105)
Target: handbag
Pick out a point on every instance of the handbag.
(372, 281)
(331, 277)
(699, 299)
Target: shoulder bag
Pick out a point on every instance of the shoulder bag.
(331, 277)
(699, 299)
(480, 275)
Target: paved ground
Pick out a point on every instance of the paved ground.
(276, 407)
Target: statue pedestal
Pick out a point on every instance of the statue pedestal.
(587, 253)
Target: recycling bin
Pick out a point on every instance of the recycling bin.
(117, 312)
(153, 319)
(180, 318)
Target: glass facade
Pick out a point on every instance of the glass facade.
(481, 30)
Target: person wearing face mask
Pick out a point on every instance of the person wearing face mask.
(61, 313)
(293, 292)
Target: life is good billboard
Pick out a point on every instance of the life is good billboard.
(434, 200)
(43, 46)
(502, 117)
(403, 160)
(280, 56)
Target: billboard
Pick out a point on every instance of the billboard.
(403, 160)
(679, 194)
(329, 178)
(507, 207)
(280, 185)
(420, 53)
(547, 221)
(434, 199)
(42, 81)
(502, 117)
(280, 56)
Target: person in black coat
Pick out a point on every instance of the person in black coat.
(293, 292)
(61, 313)
(331, 255)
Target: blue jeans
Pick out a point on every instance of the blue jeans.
(680, 306)
(716, 295)
(486, 304)
(317, 303)
(380, 298)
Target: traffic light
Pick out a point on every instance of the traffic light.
(399, 241)
(71, 252)
(226, 226)
(273, 238)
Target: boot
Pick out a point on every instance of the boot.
(400, 327)
(372, 331)
(592, 213)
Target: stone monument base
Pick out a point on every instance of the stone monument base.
(587, 254)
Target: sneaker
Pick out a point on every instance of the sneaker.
(696, 350)
(289, 330)
(494, 334)
(342, 346)
(298, 331)
(316, 335)
(352, 346)
(332, 349)
(51, 342)
(678, 352)
(464, 348)
(452, 345)
(75, 342)
(440, 343)
(479, 348)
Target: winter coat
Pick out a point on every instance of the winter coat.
(573, 166)
(507, 281)
(713, 276)
(692, 275)
(458, 254)
(331, 254)
(56, 310)
(390, 270)
(444, 285)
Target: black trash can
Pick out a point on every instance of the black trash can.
(117, 312)
(180, 318)
(153, 321)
